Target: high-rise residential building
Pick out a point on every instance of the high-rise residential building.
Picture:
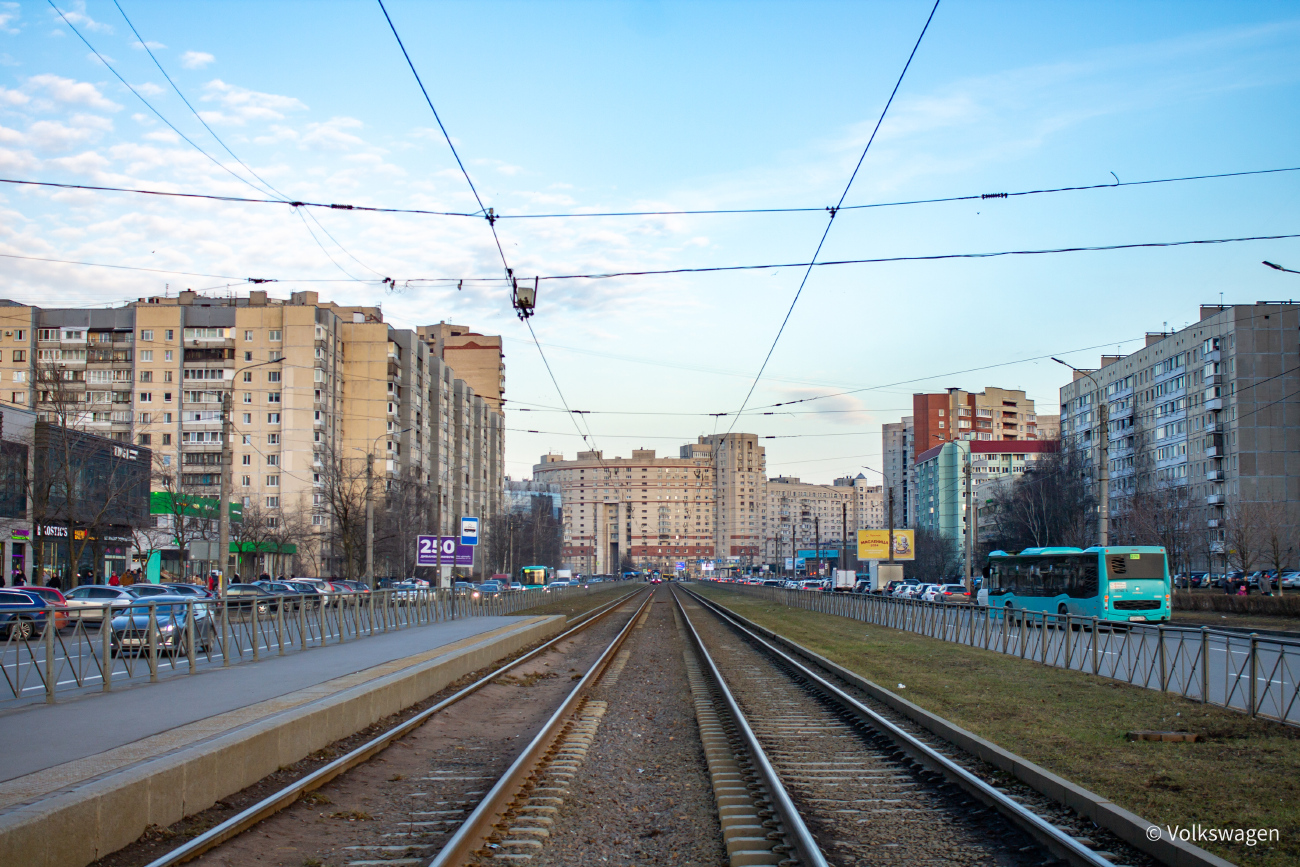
(867, 507)
(740, 495)
(478, 359)
(802, 516)
(941, 480)
(1204, 420)
(655, 511)
(313, 386)
(898, 458)
(992, 415)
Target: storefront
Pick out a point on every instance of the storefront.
(98, 554)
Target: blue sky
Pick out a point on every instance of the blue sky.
(613, 106)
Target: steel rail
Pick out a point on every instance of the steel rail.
(1056, 841)
(481, 822)
(272, 804)
(797, 833)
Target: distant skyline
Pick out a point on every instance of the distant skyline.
(566, 107)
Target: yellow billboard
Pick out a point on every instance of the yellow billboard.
(874, 545)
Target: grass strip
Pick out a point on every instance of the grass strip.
(1245, 773)
(582, 602)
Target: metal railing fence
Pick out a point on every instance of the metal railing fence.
(1254, 674)
(166, 636)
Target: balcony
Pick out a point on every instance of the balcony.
(1212, 356)
(1213, 404)
(1214, 499)
(1215, 475)
(1214, 446)
(1212, 523)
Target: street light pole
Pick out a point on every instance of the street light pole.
(223, 505)
(1103, 468)
(370, 520)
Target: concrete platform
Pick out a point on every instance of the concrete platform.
(92, 773)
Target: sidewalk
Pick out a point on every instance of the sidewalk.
(93, 734)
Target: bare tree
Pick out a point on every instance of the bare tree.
(525, 538)
(192, 513)
(1051, 504)
(405, 511)
(935, 557)
(343, 498)
(1278, 538)
(1246, 534)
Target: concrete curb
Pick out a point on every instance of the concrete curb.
(1129, 827)
(74, 827)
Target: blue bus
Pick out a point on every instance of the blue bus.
(1126, 583)
(536, 576)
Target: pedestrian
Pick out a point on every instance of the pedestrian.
(55, 583)
(1265, 584)
(1241, 589)
(114, 581)
(212, 581)
(2, 580)
(19, 580)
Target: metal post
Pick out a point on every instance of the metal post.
(225, 633)
(1164, 672)
(370, 519)
(223, 505)
(1096, 634)
(302, 619)
(49, 655)
(970, 518)
(279, 623)
(257, 638)
(371, 602)
(189, 637)
(1254, 654)
(1068, 630)
(153, 642)
(106, 647)
(1205, 665)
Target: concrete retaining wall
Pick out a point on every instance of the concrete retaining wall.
(74, 827)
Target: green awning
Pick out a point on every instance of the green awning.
(163, 503)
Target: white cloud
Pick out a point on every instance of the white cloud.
(196, 59)
(141, 46)
(13, 97)
(67, 90)
(330, 135)
(9, 13)
(78, 18)
(8, 60)
(242, 105)
(163, 135)
(150, 89)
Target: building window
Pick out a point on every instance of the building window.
(272, 418)
(20, 335)
(248, 356)
(317, 520)
(273, 336)
(144, 439)
(273, 460)
(146, 376)
(20, 355)
(245, 480)
(248, 397)
(47, 334)
(248, 418)
(248, 376)
(167, 355)
(246, 439)
(246, 460)
(167, 439)
(272, 502)
(273, 397)
(273, 439)
(276, 355)
(171, 335)
(146, 336)
(167, 376)
(167, 397)
(18, 397)
(273, 376)
(273, 481)
(20, 376)
(145, 418)
(146, 397)
(248, 336)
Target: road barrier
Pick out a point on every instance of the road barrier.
(168, 636)
(1257, 675)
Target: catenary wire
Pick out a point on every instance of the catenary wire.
(831, 220)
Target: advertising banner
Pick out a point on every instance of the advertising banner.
(874, 544)
(453, 552)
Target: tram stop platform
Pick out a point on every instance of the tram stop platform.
(87, 775)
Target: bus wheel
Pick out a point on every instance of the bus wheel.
(1010, 612)
(1064, 614)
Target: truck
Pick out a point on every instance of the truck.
(845, 579)
(564, 575)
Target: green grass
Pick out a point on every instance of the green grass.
(1244, 621)
(580, 603)
(1246, 773)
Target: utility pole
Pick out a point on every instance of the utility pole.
(223, 505)
(844, 534)
(891, 524)
(970, 515)
(817, 543)
(370, 519)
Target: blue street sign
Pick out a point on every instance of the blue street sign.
(469, 531)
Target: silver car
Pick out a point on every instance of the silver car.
(88, 601)
(131, 626)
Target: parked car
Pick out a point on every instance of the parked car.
(489, 590)
(22, 615)
(950, 593)
(294, 594)
(87, 601)
(242, 597)
(190, 590)
(131, 626)
(140, 591)
(53, 598)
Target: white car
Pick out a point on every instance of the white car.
(87, 601)
(1289, 579)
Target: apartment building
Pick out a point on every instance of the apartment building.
(657, 511)
(941, 481)
(314, 388)
(898, 462)
(478, 359)
(740, 496)
(992, 415)
(867, 506)
(1208, 411)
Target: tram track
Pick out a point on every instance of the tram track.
(454, 763)
(869, 788)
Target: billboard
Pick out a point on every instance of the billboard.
(874, 544)
(453, 552)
